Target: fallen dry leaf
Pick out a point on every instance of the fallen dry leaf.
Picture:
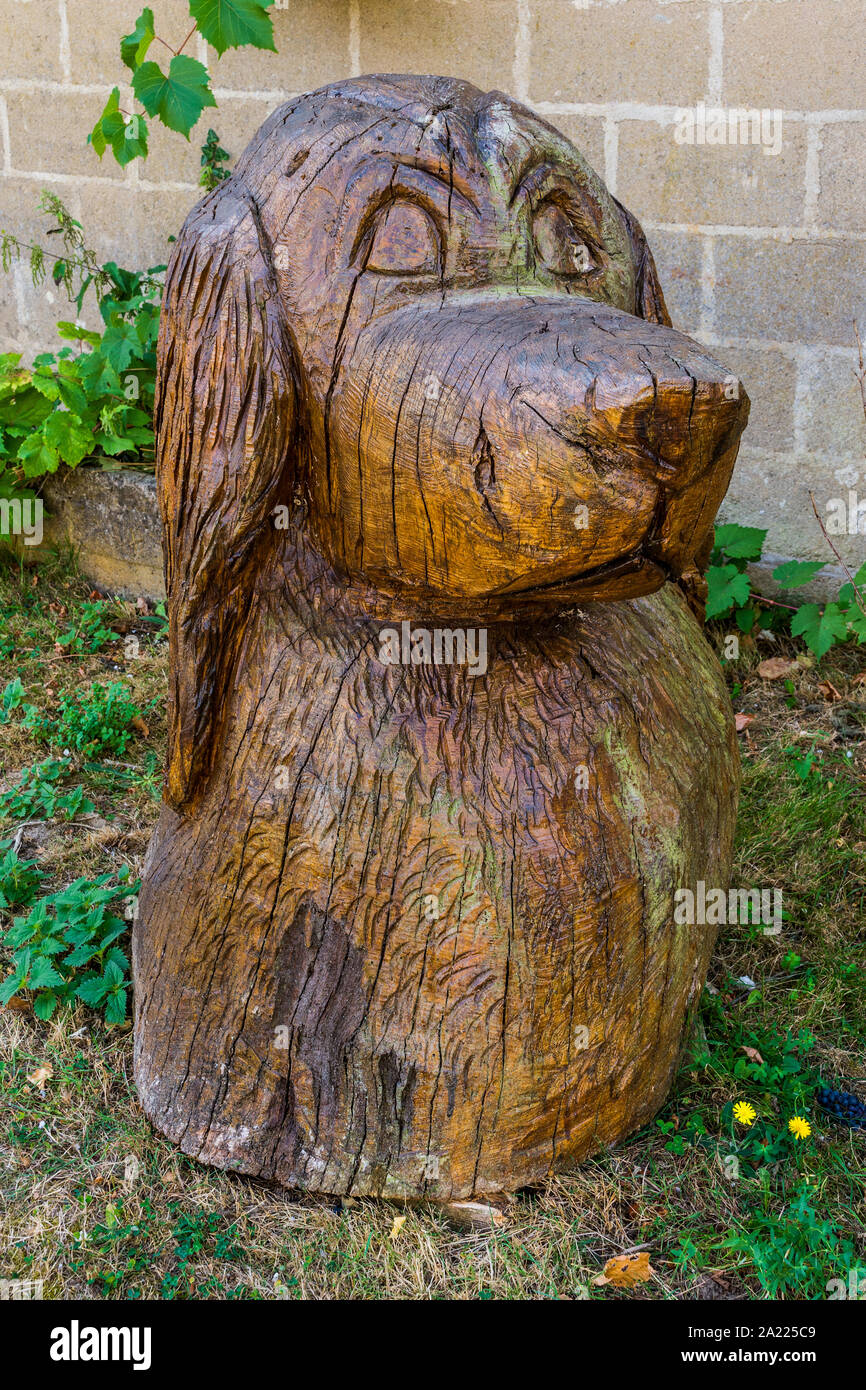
(742, 721)
(41, 1075)
(18, 1005)
(775, 667)
(624, 1271)
(399, 1223)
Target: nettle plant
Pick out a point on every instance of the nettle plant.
(730, 594)
(38, 796)
(65, 946)
(92, 723)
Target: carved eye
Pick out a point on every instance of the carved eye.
(404, 242)
(559, 244)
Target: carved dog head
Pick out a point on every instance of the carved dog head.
(416, 312)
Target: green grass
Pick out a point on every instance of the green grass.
(98, 1206)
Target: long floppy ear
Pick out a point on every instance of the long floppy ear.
(225, 416)
(650, 300)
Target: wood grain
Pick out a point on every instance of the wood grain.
(407, 929)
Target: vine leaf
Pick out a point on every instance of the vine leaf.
(795, 573)
(134, 46)
(857, 623)
(177, 97)
(126, 136)
(740, 542)
(819, 630)
(37, 456)
(70, 437)
(726, 586)
(231, 23)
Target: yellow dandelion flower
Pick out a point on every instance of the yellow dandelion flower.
(800, 1128)
(744, 1113)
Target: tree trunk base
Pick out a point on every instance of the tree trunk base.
(416, 939)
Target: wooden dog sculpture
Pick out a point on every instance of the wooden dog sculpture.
(407, 922)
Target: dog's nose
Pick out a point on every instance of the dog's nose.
(674, 418)
(560, 435)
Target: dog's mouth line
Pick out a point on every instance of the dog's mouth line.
(645, 553)
(631, 563)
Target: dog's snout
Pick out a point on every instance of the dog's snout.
(674, 419)
(565, 437)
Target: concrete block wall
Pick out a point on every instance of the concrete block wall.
(762, 254)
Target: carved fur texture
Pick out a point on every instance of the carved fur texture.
(407, 925)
